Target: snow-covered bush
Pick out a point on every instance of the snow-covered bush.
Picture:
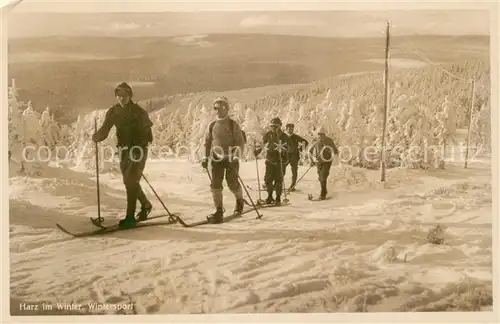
(199, 129)
(253, 130)
(481, 130)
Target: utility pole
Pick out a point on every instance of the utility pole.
(471, 112)
(386, 105)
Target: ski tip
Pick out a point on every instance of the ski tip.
(65, 230)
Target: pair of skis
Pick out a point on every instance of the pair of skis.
(310, 197)
(232, 216)
(173, 219)
(115, 228)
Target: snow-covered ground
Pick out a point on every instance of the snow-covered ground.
(364, 250)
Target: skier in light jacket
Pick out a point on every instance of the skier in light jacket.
(224, 145)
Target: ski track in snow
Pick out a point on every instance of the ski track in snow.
(363, 250)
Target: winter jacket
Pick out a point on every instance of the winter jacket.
(323, 150)
(133, 126)
(224, 139)
(272, 143)
(297, 143)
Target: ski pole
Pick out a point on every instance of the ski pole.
(157, 196)
(303, 174)
(283, 190)
(259, 216)
(258, 176)
(209, 177)
(99, 218)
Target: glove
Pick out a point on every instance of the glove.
(313, 163)
(204, 163)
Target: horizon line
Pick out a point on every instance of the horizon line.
(415, 34)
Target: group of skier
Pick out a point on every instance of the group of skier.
(224, 144)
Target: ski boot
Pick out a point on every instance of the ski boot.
(239, 206)
(269, 200)
(143, 214)
(128, 221)
(277, 202)
(217, 217)
(322, 195)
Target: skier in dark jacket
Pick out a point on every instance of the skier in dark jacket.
(321, 154)
(276, 144)
(224, 144)
(297, 146)
(133, 132)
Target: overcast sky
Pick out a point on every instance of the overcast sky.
(233, 5)
(32, 18)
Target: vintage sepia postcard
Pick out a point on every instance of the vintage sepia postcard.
(250, 162)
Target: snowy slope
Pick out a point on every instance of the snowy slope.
(363, 250)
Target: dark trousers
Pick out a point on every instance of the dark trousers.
(293, 161)
(323, 173)
(230, 171)
(273, 178)
(132, 164)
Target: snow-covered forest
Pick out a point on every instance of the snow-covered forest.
(427, 106)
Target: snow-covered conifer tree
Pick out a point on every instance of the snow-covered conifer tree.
(302, 123)
(253, 130)
(31, 125)
(481, 129)
(291, 113)
(355, 129)
(418, 132)
(238, 112)
(49, 129)
(200, 127)
(16, 131)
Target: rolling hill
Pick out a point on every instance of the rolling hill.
(75, 75)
